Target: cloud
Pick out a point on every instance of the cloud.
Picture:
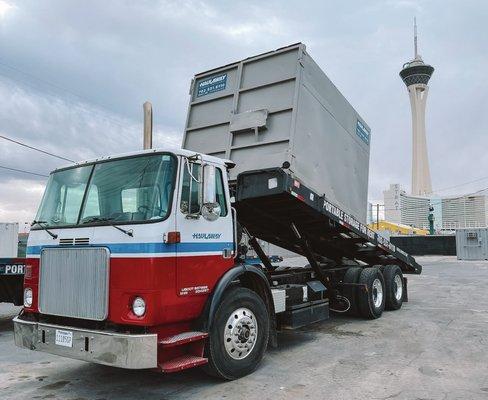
(62, 126)
(408, 4)
(73, 78)
(17, 199)
(5, 7)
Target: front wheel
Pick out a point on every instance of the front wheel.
(238, 336)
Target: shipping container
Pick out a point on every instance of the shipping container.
(279, 109)
(9, 239)
(472, 243)
(11, 267)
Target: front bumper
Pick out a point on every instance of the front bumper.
(131, 351)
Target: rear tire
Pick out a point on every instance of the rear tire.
(238, 336)
(393, 287)
(372, 301)
(352, 276)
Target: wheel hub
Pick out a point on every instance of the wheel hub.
(240, 333)
(377, 293)
(398, 287)
(244, 334)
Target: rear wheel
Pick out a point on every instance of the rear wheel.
(393, 287)
(238, 336)
(352, 276)
(372, 301)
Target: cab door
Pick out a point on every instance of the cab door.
(205, 251)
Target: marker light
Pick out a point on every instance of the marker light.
(28, 272)
(139, 306)
(27, 297)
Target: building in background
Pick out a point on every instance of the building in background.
(450, 212)
(23, 236)
(391, 199)
(416, 75)
(370, 217)
(469, 211)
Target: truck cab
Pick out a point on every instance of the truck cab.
(126, 250)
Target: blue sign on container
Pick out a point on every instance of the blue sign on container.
(362, 132)
(212, 85)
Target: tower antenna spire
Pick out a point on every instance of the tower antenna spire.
(415, 36)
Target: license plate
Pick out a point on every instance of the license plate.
(64, 338)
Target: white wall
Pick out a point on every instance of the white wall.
(9, 239)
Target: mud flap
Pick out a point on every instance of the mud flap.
(405, 290)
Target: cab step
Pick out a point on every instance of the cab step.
(183, 362)
(182, 338)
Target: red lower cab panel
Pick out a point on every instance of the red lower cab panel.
(170, 309)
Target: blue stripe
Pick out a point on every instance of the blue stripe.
(141, 248)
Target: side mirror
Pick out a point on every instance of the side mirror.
(210, 207)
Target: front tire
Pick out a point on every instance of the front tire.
(238, 336)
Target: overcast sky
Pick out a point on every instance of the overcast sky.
(74, 75)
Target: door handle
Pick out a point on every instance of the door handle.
(227, 253)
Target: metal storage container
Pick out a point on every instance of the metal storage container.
(280, 109)
(472, 243)
(9, 239)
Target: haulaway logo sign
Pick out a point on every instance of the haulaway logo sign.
(362, 132)
(212, 85)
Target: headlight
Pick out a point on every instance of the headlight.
(139, 306)
(27, 297)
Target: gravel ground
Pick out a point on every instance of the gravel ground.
(435, 347)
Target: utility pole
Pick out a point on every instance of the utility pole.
(377, 217)
(148, 125)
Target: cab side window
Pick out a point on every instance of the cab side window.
(190, 191)
(219, 184)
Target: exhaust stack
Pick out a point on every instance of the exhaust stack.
(148, 123)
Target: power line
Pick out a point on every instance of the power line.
(60, 88)
(458, 185)
(23, 171)
(35, 148)
(40, 79)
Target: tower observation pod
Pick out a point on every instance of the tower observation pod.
(416, 75)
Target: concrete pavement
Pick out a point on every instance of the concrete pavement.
(435, 347)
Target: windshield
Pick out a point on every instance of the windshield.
(134, 189)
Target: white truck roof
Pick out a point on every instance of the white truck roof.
(176, 151)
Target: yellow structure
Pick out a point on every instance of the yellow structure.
(397, 229)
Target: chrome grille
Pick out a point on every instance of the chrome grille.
(74, 282)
